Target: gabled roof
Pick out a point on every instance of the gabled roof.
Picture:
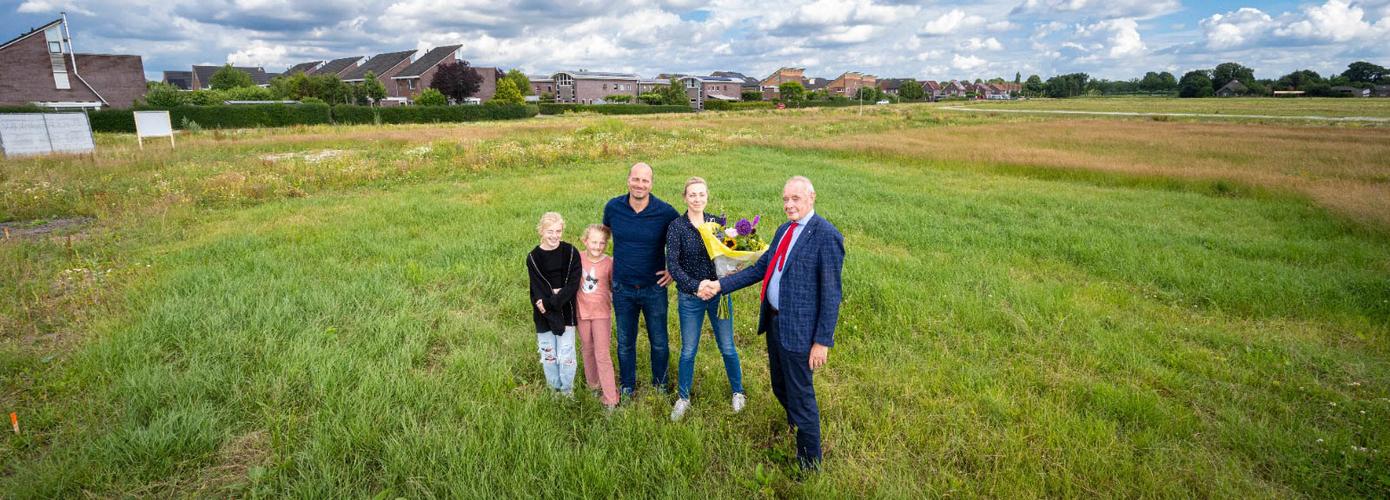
(892, 83)
(747, 80)
(931, 85)
(180, 79)
(815, 83)
(378, 64)
(336, 66)
(258, 74)
(427, 61)
(31, 32)
(303, 67)
(1234, 86)
(712, 79)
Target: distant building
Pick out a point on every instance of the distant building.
(1351, 91)
(588, 87)
(382, 66)
(747, 83)
(40, 67)
(781, 76)
(415, 78)
(202, 75)
(849, 83)
(1232, 88)
(183, 80)
(704, 88)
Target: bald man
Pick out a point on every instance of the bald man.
(638, 220)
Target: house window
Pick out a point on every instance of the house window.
(55, 47)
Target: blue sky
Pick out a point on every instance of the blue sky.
(1116, 39)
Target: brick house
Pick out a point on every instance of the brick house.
(541, 85)
(41, 67)
(586, 87)
(202, 75)
(932, 89)
(304, 67)
(953, 89)
(648, 85)
(848, 83)
(703, 88)
(782, 75)
(891, 85)
(384, 66)
(416, 77)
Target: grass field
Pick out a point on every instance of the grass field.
(1034, 306)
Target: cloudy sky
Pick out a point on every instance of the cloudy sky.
(1116, 39)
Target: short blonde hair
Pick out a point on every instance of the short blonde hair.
(550, 219)
(691, 182)
(596, 228)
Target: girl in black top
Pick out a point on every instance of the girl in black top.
(554, 270)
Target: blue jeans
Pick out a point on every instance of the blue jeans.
(651, 302)
(692, 315)
(557, 359)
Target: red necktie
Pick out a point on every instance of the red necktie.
(778, 259)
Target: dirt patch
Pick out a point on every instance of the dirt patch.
(42, 228)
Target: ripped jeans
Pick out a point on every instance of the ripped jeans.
(557, 359)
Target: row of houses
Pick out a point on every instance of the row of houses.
(404, 74)
(41, 67)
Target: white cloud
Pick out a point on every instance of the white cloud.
(1236, 29)
(1336, 21)
(51, 7)
(975, 43)
(261, 54)
(951, 22)
(968, 63)
(1142, 9)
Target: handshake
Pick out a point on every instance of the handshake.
(708, 289)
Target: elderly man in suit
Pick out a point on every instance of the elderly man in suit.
(800, 306)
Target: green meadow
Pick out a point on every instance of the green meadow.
(340, 312)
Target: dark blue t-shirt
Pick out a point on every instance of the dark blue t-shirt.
(639, 239)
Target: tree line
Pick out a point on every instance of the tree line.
(1206, 82)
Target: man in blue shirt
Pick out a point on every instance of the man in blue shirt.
(638, 221)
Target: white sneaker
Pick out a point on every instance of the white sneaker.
(739, 401)
(679, 409)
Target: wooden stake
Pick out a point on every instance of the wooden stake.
(14, 421)
(7, 233)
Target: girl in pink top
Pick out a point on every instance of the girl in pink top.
(595, 301)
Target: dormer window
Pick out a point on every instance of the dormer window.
(55, 47)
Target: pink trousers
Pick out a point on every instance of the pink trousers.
(595, 336)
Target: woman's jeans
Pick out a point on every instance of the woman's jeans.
(692, 312)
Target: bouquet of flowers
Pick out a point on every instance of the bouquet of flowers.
(732, 248)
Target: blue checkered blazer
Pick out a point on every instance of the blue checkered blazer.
(810, 289)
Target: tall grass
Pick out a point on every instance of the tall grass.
(1002, 335)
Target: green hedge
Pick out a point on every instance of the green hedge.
(433, 114)
(713, 105)
(825, 104)
(281, 115)
(613, 109)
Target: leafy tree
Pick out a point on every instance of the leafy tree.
(249, 94)
(1298, 80)
(456, 81)
(431, 97)
(229, 78)
(751, 95)
(1364, 72)
(674, 93)
(372, 88)
(870, 94)
(1196, 84)
(653, 98)
(1018, 78)
(911, 90)
(520, 80)
(206, 97)
(507, 93)
(330, 88)
(1069, 85)
(821, 95)
(1034, 86)
(791, 91)
(614, 98)
(296, 86)
(163, 95)
(1225, 72)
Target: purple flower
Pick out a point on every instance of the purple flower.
(756, 218)
(743, 227)
(721, 220)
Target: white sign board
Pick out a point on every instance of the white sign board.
(153, 124)
(25, 134)
(69, 133)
